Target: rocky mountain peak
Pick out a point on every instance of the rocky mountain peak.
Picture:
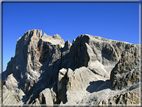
(91, 71)
(67, 44)
(57, 36)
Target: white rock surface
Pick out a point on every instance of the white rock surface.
(45, 97)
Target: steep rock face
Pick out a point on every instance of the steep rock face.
(126, 70)
(90, 50)
(36, 56)
(47, 70)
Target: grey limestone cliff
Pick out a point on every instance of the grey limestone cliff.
(91, 71)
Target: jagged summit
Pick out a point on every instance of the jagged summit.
(91, 70)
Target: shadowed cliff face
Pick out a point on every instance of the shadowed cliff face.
(47, 70)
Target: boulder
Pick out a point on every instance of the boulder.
(45, 97)
(72, 85)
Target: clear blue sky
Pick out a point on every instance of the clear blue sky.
(117, 21)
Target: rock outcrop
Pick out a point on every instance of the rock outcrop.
(126, 70)
(91, 71)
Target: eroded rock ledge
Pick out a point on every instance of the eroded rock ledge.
(91, 71)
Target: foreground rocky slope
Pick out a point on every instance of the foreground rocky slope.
(91, 71)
